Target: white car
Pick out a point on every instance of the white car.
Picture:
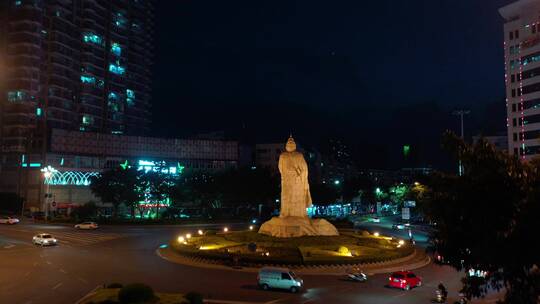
(375, 219)
(8, 220)
(87, 225)
(44, 239)
(398, 226)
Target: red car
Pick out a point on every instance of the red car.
(404, 280)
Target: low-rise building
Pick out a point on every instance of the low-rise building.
(74, 157)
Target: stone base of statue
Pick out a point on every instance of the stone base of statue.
(293, 226)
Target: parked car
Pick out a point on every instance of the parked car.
(375, 219)
(87, 225)
(281, 278)
(8, 220)
(44, 239)
(404, 280)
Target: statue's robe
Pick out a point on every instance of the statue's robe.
(295, 196)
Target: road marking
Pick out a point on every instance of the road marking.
(62, 270)
(9, 246)
(57, 286)
(48, 262)
(274, 301)
(82, 280)
(27, 274)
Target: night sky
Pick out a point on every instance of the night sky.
(375, 74)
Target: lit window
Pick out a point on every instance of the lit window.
(130, 97)
(119, 20)
(92, 38)
(39, 111)
(114, 105)
(116, 69)
(88, 79)
(18, 3)
(87, 120)
(116, 49)
(16, 96)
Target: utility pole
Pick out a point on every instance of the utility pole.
(461, 113)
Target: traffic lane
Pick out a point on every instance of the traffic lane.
(420, 235)
(63, 274)
(134, 260)
(34, 276)
(331, 289)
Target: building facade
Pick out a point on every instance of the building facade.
(522, 77)
(74, 65)
(74, 157)
(500, 142)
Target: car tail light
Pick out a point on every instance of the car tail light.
(403, 281)
(389, 278)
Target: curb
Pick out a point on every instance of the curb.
(381, 267)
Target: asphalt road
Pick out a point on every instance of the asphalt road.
(84, 259)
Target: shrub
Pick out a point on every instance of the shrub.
(136, 293)
(252, 247)
(194, 298)
(115, 285)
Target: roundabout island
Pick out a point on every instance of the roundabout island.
(292, 238)
(249, 248)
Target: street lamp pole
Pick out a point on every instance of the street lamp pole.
(47, 174)
(461, 113)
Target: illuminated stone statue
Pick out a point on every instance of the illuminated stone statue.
(295, 196)
(295, 199)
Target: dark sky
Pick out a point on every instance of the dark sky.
(377, 74)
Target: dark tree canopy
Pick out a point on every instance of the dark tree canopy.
(487, 219)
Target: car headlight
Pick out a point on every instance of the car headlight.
(298, 283)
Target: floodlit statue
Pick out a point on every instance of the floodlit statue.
(295, 196)
(293, 220)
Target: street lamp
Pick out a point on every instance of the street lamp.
(461, 113)
(47, 174)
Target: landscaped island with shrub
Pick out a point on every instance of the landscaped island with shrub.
(250, 247)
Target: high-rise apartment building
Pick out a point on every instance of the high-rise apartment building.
(522, 77)
(76, 65)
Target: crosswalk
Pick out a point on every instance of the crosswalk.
(14, 237)
(85, 238)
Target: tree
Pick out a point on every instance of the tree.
(399, 193)
(357, 186)
(157, 185)
(486, 219)
(323, 194)
(10, 202)
(85, 211)
(117, 186)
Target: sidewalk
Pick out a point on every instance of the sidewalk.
(416, 260)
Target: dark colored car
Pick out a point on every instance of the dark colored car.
(404, 280)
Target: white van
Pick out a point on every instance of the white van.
(282, 278)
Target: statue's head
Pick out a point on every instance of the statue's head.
(290, 146)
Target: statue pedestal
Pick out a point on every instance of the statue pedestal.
(294, 226)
